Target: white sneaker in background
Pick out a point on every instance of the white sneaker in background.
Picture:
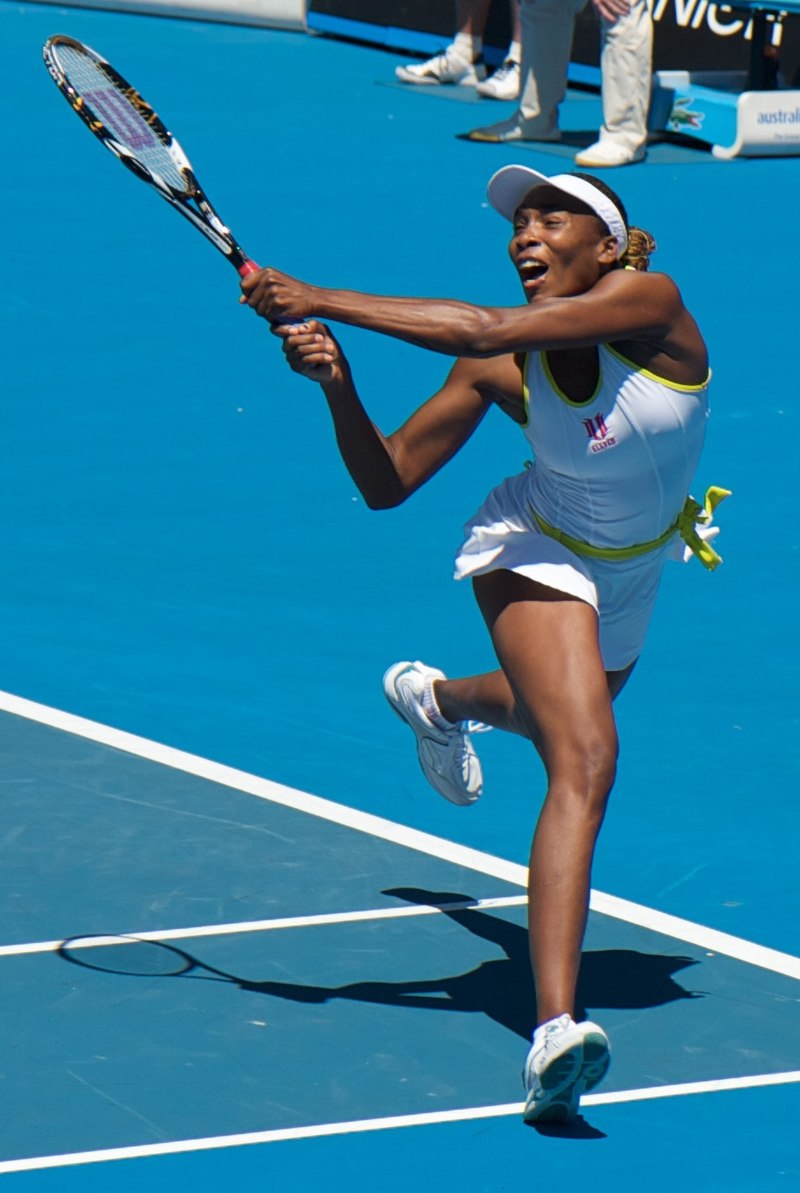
(509, 131)
(447, 67)
(504, 83)
(606, 153)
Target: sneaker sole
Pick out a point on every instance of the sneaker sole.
(430, 81)
(570, 1075)
(456, 798)
(596, 163)
(487, 138)
(490, 92)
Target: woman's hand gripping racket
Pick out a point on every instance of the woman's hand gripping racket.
(127, 126)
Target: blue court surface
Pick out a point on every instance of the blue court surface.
(242, 943)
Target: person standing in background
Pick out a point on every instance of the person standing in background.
(626, 62)
(462, 61)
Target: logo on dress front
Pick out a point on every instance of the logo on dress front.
(598, 432)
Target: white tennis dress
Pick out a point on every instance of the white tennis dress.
(597, 512)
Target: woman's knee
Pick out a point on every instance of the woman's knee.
(585, 777)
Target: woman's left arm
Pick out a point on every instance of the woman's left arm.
(622, 305)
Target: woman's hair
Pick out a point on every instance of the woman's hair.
(640, 243)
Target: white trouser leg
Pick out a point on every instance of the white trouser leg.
(626, 64)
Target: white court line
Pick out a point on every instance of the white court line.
(243, 926)
(393, 1122)
(387, 830)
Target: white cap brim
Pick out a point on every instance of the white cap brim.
(509, 186)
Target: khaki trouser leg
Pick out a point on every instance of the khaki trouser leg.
(626, 65)
(547, 28)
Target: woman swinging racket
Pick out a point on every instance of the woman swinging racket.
(606, 373)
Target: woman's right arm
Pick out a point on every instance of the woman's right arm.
(388, 468)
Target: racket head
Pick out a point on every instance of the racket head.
(126, 124)
(117, 114)
(131, 956)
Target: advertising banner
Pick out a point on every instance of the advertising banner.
(690, 35)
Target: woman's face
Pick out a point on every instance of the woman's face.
(559, 246)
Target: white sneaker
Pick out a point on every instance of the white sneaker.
(446, 756)
(566, 1059)
(447, 67)
(606, 153)
(504, 83)
(508, 131)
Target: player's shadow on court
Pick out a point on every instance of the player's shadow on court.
(502, 988)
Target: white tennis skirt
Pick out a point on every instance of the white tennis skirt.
(503, 535)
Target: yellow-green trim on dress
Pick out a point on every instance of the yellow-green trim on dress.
(688, 389)
(526, 393)
(691, 516)
(558, 391)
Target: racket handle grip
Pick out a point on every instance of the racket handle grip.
(249, 267)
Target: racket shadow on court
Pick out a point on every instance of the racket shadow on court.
(499, 987)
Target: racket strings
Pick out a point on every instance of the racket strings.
(129, 128)
(123, 112)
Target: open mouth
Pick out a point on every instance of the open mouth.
(531, 270)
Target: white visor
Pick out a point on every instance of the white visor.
(509, 186)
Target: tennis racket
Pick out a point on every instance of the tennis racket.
(128, 127)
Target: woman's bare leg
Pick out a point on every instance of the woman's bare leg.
(488, 697)
(548, 649)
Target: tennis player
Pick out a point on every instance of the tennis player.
(606, 373)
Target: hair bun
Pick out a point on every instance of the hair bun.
(640, 246)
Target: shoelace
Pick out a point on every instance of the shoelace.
(505, 69)
(542, 1055)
